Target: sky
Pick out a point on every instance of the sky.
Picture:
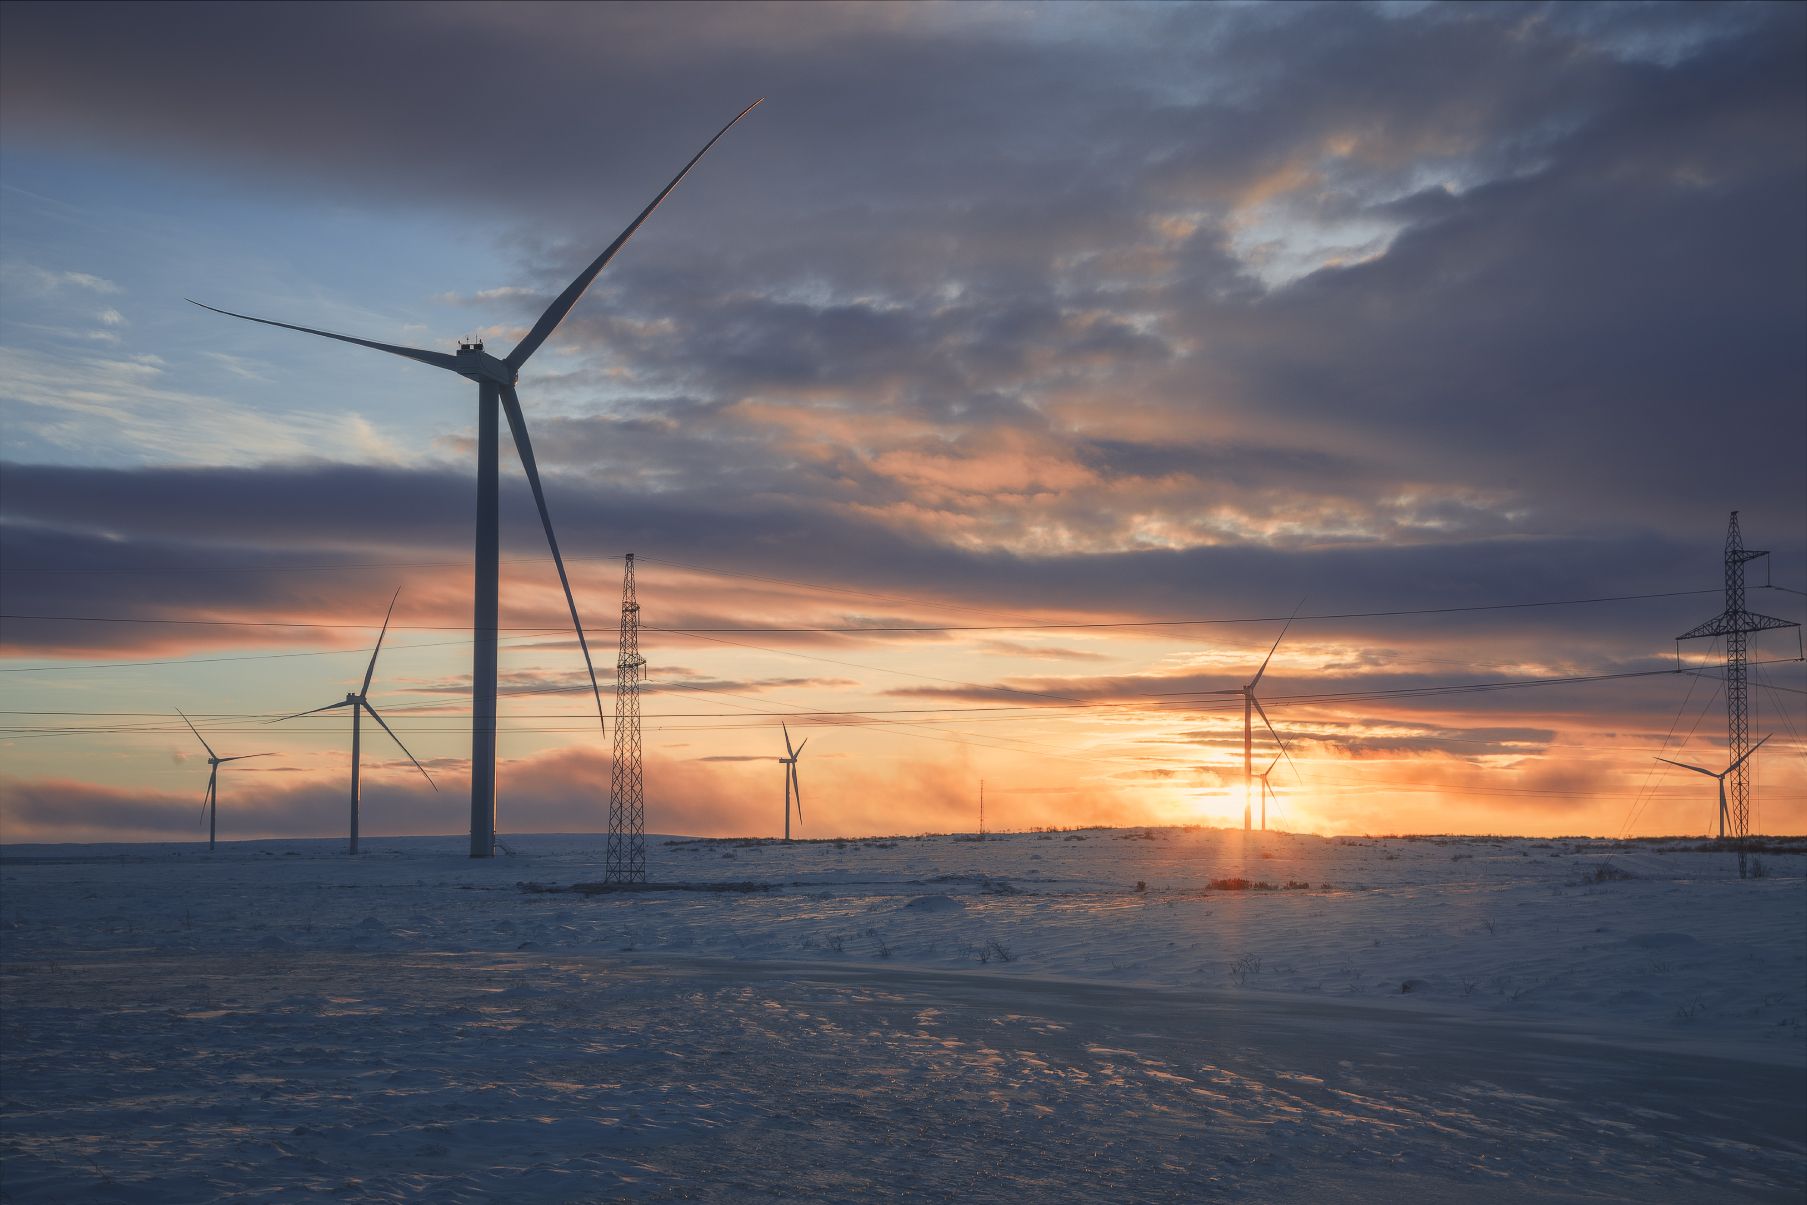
(1085, 342)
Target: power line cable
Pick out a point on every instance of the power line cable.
(914, 629)
(1651, 771)
(348, 652)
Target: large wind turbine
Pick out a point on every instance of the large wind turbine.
(496, 380)
(1720, 775)
(210, 802)
(359, 702)
(790, 779)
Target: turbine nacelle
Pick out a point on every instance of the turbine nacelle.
(473, 363)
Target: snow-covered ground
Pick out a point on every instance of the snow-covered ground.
(1042, 1016)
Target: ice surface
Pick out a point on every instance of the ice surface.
(1064, 1016)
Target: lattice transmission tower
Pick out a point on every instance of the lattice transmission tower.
(1735, 624)
(627, 779)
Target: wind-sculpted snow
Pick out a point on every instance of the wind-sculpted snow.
(1065, 1016)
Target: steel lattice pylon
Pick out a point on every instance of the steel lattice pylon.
(1735, 624)
(627, 779)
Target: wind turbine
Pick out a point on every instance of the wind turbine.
(359, 703)
(495, 379)
(1721, 777)
(210, 802)
(1267, 788)
(1250, 707)
(790, 779)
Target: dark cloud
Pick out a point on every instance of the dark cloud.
(224, 542)
(1579, 235)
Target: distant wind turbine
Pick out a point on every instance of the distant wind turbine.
(359, 703)
(790, 780)
(1267, 789)
(496, 380)
(1720, 775)
(210, 802)
(1250, 707)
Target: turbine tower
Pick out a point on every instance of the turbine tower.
(626, 861)
(495, 379)
(790, 779)
(210, 802)
(1720, 775)
(359, 703)
(1735, 623)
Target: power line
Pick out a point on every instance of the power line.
(1174, 623)
(799, 711)
(351, 652)
(261, 623)
(1658, 770)
(925, 629)
(186, 570)
(1650, 773)
(783, 581)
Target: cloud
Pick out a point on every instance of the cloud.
(44, 280)
(1242, 275)
(61, 406)
(240, 367)
(499, 293)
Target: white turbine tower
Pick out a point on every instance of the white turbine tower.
(210, 802)
(1720, 775)
(359, 702)
(495, 379)
(791, 785)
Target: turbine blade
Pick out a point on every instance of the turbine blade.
(800, 744)
(1272, 764)
(211, 753)
(437, 359)
(1291, 765)
(797, 792)
(243, 756)
(207, 795)
(787, 738)
(371, 668)
(561, 305)
(1684, 765)
(316, 711)
(1747, 754)
(517, 423)
(402, 747)
(1282, 636)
